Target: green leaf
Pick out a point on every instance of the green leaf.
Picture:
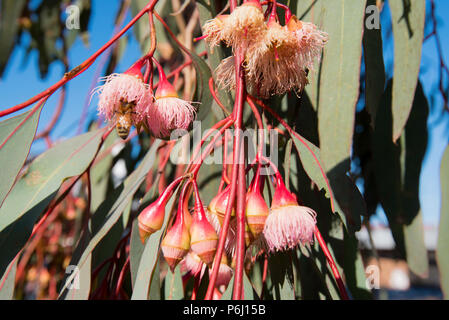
(354, 269)
(173, 285)
(136, 250)
(442, 253)
(147, 282)
(414, 146)
(287, 162)
(248, 290)
(397, 169)
(207, 11)
(202, 92)
(387, 167)
(339, 91)
(415, 247)
(142, 29)
(80, 287)
(347, 200)
(7, 282)
(37, 187)
(374, 67)
(125, 194)
(227, 295)
(14, 152)
(9, 26)
(312, 11)
(408, 19)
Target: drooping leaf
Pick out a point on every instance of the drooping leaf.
(415, 247)
(173, 285)
(125, 193)
(147, 282)
(37, 187)
(408, 19)
(312, 11)
(142, 30)
(79, 288)
(9, 26)
(14, 151)
(374, 63)
(354, 270)
(83, 13)
(347, 200)
(443, 236)
(387, 166)
(136, 250)
(248, 290)
(339, 90)
(7, 282)
(397, 170)
(414, 146)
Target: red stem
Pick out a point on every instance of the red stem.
(331, 262)
(122, 277)
(292, 132)
(82, 67)
(210, 147)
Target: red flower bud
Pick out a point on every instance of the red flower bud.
(203, 238)
(176, 244)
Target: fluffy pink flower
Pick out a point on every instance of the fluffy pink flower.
(123, 88)
(310, 39)
(213, 30)
(191, 264)
(288, 223)
(169, 112)
(244, 24)
(273, 64)
(225, 273)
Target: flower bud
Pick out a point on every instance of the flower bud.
(203, 238)
(225, 273)
(191, 264)
(288, 223)
(214, 218)
(256, 212)
(176, 244)
(151, 218)
(222, 203)
(169, 112)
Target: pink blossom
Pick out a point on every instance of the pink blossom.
(169, 114)
(120, 87)
(288, 226)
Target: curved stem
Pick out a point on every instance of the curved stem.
(82, 67)
(297, 136)
(331, 262)
(210, 147)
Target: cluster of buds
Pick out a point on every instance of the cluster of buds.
(125, 99)
(190, 238)
(280, 227)
(277, 58)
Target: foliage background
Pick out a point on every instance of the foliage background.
(389, 176)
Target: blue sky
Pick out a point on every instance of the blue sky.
(21, 81)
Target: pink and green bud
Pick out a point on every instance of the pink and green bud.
(203, 238)
(176, 244)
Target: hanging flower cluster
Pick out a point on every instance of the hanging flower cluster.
(192, 239)
(277, 58)
(126, 99)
